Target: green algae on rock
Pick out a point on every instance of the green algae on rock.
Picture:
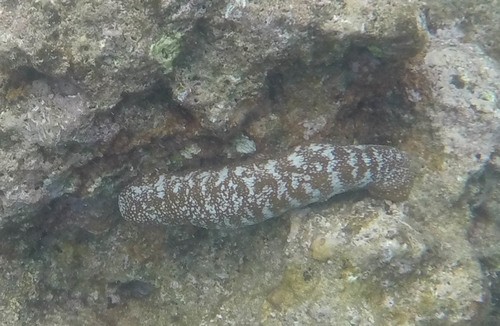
(166, 50)
(246, 194)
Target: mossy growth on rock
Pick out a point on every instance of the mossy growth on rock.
(166, 50)
(297, 286)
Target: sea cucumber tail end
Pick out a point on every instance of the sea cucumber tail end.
(397, 181)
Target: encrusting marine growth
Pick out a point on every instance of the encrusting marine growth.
(239, 195)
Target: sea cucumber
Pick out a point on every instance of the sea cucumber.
(245, 194)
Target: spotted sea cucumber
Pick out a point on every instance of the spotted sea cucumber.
(248, 193)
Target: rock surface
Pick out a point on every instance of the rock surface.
(95, 93)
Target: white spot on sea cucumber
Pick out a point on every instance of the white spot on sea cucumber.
(353, 162)
(250, 183)
(331, 167)
(282, 188)
(295, 180)
(203, 178)
(190, 180)
(296, 160)
(222, 176)
(337, 184)
(367, 178)
(366, 159)
(267, 190)
(316, 147)
(310, 191)
(238, 171)
(160, 187)
(271, 167)
(379, 157)
(237, 202)
(249, 212)
(138, 191)
(151, 216)
(177, 185)
(327, 152)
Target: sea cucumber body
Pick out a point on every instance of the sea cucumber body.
(239, 195)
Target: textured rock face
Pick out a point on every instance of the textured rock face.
(315, 34)
(72, 77)
(95, 93)
(475, 21)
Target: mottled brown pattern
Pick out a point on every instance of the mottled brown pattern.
(246, 194)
